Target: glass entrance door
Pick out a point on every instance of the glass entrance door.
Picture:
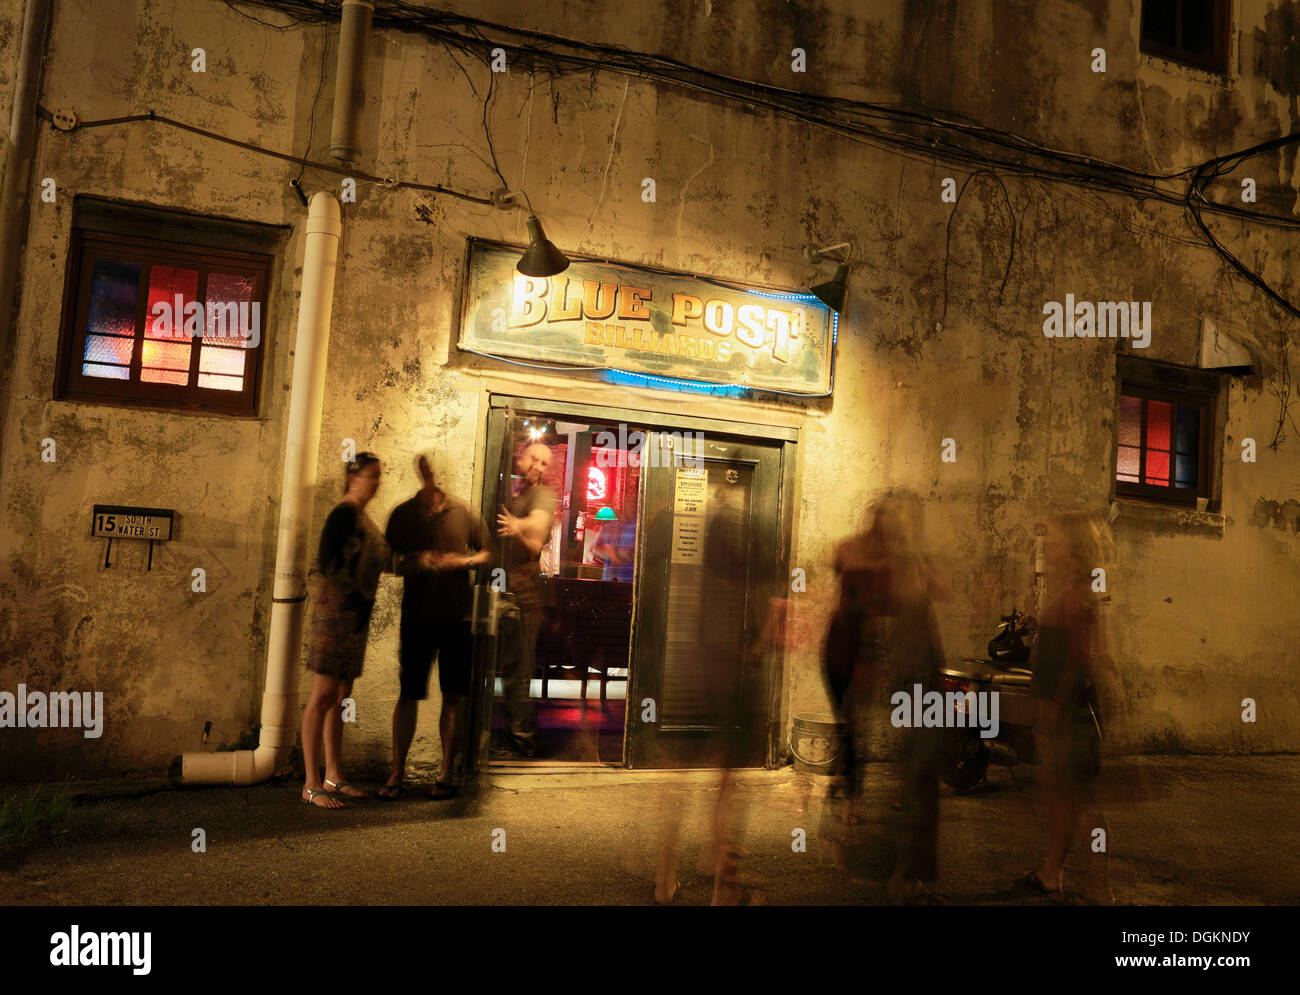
(702, 674)
(566, 490)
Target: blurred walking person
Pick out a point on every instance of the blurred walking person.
(733, 635)
(352, 555)
(889, 589)
(1076, 684)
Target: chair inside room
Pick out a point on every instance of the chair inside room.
(602, 626)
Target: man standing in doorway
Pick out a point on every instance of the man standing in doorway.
(526, 525)
(437, 540)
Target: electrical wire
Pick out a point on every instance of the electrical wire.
(311, 119)
(327, 167)
(850, 118)
(920, 133)
(1210, 170)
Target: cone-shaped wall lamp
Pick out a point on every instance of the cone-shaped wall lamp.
(541, 258)
(832, 292)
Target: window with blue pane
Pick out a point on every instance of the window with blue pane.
(1161, 449)
(160, 318)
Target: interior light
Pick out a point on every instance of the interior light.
(596, 484)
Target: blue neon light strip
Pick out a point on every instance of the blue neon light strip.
(624, 379)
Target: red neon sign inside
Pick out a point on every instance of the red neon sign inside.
(596, 484)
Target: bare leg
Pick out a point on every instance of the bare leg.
(447, 723)
(333, 736)
(404, 715)
(1097, 862)
(725, 890)
(670, 828)
(324, 691)
(1064, 817)
(1062, 808)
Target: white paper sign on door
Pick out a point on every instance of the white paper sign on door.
(692, 493)
(688, 540)
(690, 502)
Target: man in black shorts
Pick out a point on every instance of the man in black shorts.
(437, 540)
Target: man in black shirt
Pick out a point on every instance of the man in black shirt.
(437, 540)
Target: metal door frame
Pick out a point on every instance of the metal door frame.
(737, 431)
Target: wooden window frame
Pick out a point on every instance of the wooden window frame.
(1216, 63)
(1204, 402)
(101, 238)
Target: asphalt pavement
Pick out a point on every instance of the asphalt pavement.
(1183, 831)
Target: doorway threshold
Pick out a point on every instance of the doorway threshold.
(526, 776)
(549, 767)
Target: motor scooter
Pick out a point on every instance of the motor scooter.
(966, 755)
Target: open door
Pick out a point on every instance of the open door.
(553, 627)
(711, 548)
(489, 590)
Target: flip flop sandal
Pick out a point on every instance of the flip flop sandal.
(336, 788)
(395, 789)
(311, 798)
(442, 790)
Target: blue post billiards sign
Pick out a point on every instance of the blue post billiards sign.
(615, 316)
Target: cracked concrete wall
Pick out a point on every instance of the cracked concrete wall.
(933, 344)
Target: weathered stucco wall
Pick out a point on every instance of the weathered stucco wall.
(1204, 616)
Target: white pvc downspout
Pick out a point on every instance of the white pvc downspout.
(288, 605)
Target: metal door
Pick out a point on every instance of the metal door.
(489, 591)
(709, 560)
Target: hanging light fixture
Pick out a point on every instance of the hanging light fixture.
(541, 258)
(831, 293)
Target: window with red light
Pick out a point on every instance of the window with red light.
(155, 323)
(1162, 443)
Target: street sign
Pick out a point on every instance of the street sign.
(116, 521)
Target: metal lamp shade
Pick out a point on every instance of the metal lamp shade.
(831, 293)
(542, 257)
